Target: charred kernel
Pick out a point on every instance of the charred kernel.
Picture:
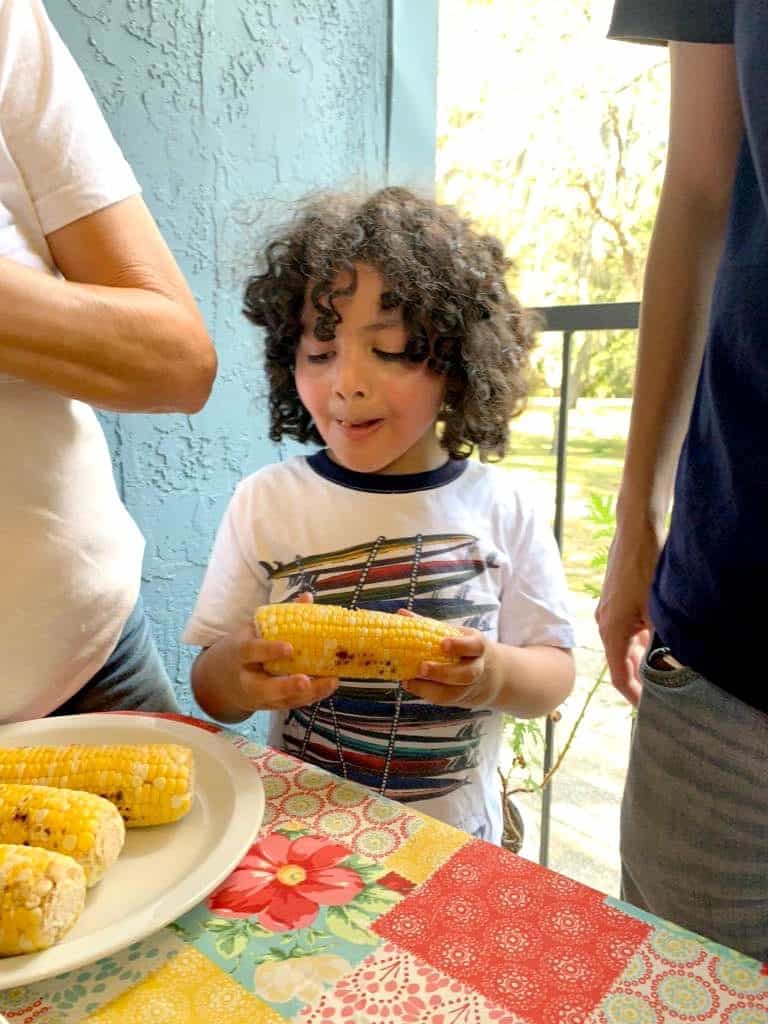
(67, 821)
(123, 774)
(367, 644)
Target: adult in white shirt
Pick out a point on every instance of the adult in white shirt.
(93, 312)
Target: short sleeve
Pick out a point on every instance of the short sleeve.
(235, 584)
(51, 124)
(685, 21)
(534, 600)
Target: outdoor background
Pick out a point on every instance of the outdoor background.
(546, 134)
(553, 138)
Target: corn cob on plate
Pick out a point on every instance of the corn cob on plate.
(332, 641)
(150, 783)
(42, 894)
(161, 872)
(84, 826)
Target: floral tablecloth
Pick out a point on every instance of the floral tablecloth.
(352, 908)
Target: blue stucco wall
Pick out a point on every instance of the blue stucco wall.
(227, 110)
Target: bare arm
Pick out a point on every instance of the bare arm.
(121, 332)
(705, 134)
(532, 681)
(523, 681)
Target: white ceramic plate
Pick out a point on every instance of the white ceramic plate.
(162, 871)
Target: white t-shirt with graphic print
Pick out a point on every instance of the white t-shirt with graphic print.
(468, 545)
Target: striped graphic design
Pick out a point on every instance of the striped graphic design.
(434, 748)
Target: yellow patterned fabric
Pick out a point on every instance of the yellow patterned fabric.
(190, 989)
(421, 855)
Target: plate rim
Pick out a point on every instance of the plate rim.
(233, 844)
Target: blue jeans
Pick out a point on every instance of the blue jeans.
(694, 818)
(132, 679)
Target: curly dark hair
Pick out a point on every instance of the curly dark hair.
(447, 278)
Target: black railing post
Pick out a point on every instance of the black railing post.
(610, 316)
(562, 453)
(562, 436)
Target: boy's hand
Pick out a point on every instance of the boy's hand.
(257, 690)
(468, 684)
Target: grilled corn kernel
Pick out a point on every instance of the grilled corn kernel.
(150, 784)
(330, 641)
(82, 825)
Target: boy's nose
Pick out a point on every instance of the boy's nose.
(346, 393)
(349, 382)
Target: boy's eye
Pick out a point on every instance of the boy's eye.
(389, 356)
(318, 357)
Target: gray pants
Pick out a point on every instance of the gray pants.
(694, 819)
(132, 679)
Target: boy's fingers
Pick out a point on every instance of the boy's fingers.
(434, 693)
(323, 686)
(305, 597)
(280, 693)
(448, 675)
(300, 691)
(470, 646)
(256, 652)
(266, 693)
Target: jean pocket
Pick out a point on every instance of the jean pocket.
(667, 678)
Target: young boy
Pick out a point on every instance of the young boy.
(391, 339)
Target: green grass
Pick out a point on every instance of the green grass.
(596, 439)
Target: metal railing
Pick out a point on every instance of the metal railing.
(569, 320)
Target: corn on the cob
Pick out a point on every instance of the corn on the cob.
(150, 784)
(42, 894)
(331, 641)
(82, 825)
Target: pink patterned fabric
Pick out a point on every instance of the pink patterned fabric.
(324, 803)
(529, 940)
(393, 986)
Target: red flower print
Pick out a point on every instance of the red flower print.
(284, 882)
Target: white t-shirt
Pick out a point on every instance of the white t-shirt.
(476, 554)
(70, 555)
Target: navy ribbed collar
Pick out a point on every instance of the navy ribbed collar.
(385, 483)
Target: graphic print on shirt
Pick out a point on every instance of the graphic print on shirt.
(434, 748)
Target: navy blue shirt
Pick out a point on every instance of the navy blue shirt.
(708, 602)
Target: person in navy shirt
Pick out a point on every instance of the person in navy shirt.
(695, 809)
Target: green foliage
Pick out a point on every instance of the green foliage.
(525, 738)
(553, 139)
(612, 368)
(601, 512)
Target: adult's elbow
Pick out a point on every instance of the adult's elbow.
(196, 371)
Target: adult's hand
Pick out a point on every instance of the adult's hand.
(622, 613)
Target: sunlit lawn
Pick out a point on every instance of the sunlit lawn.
(597, 431)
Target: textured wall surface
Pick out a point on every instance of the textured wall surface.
(227, 110)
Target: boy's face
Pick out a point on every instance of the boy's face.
(374, 409)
